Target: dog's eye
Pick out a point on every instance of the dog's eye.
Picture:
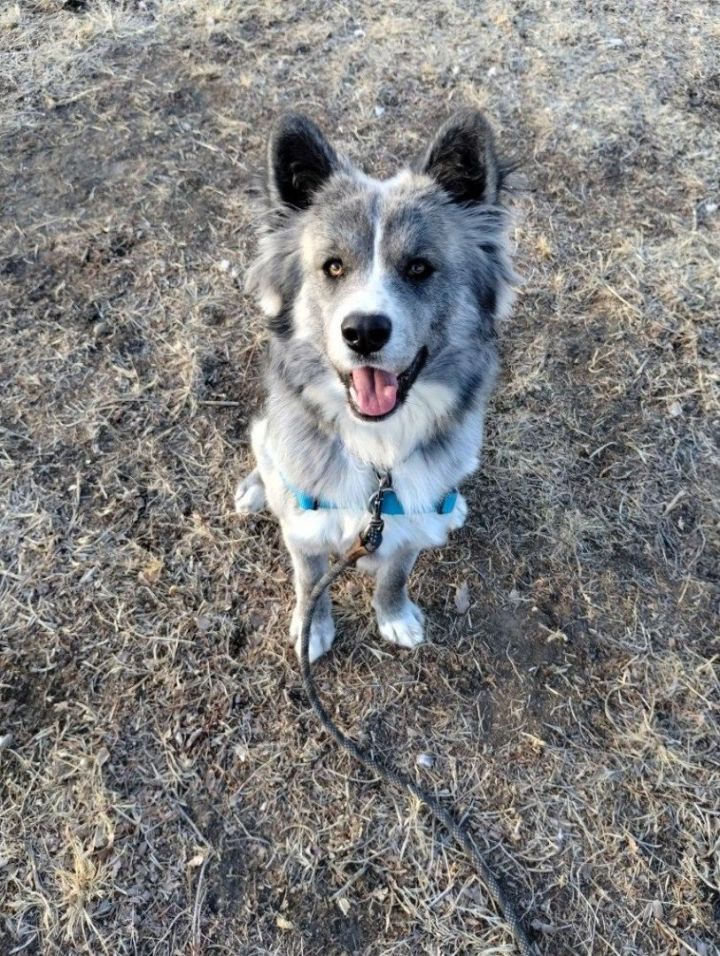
(334, 268)
(419, 269)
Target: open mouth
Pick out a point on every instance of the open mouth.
(375, 394)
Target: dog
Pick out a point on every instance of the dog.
(382, 300)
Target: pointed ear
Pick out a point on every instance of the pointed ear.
(300, 159)
(462, 159)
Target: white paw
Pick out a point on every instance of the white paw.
(459, 514)
(406, 629)
(322, 635)
(250, 495)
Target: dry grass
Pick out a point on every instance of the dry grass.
(164, 787)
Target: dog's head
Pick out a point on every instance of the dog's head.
(386, 280)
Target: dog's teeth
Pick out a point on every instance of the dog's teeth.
(353, 394)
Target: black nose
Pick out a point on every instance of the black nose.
(366, 333)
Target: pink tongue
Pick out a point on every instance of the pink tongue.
(375, 390)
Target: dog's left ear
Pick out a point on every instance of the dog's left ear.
(300, 160)
(462, 159)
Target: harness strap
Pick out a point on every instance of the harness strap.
(390, 505)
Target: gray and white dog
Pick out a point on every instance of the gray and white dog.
(382, 298)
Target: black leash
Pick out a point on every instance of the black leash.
(368, 542)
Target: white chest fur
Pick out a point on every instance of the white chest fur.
(420, 483)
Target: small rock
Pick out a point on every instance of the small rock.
(426, 761)
(6, 740)
(549, 928)
(150, 574)
(100, 838)
(462, 598)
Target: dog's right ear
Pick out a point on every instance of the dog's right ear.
(300, 160)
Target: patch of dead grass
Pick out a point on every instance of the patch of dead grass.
(164, 786)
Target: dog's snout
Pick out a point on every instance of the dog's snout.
(366, 332)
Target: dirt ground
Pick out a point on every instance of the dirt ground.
(165, 788)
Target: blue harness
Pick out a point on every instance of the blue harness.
(389, 502)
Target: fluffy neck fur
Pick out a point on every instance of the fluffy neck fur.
(429, 444)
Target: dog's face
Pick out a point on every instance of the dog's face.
(385, 279)
(378, 272)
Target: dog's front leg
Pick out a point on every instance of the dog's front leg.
(309, 568)
(399, 620)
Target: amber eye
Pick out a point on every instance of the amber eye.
(334, 268)
(419, 269)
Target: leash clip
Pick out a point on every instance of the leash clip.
(375, 501)
(371, 537)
